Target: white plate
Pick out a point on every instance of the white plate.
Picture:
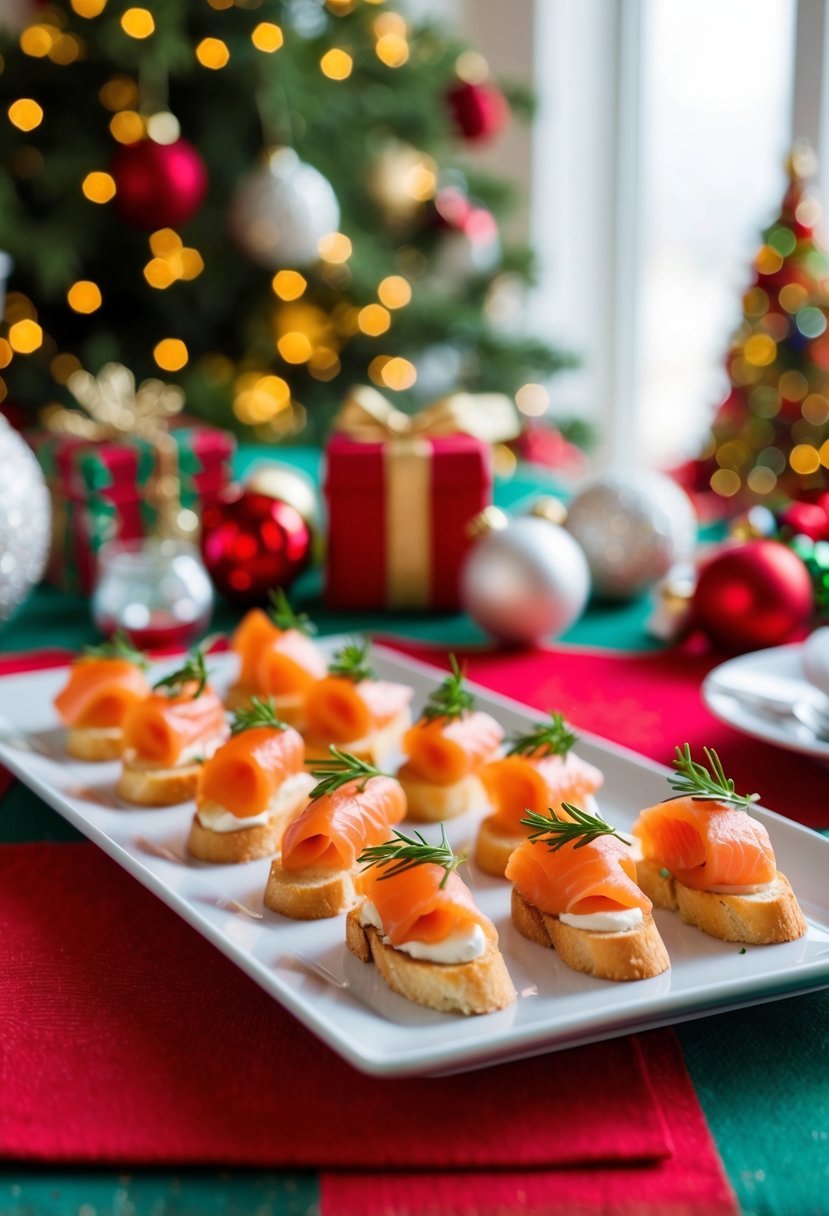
(780, 668)
(307, 968)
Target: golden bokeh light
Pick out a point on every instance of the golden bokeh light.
(120, 93)
(260, 398)
(793, 297)
(267, 37)
(392, 372)
(394, 291)
(6, 353)
(324, 364)
(171, 354)
(760, 350)
(138, 22)
(36, 40)
(25, 337)
(335, 247)
(732, 454)
(471, 67)
(336, 64)
(815, 409)
(755, 302)
(165, 241)
(84, 296)
(159, 273)
(65, 50)
(793, 386)
(768, 260)
(725, 482)
(295, 347)
(89, 8)
(98, 187)
(25, 114)
(390, 23)
(824, 453)
(212, 53)
(761, 480)
(532, 400)
(289, 284)
(804, 459)
(392, 50)
(127, 127)
(19, 308)
(374, 320)
(191, 264)
(63, 366)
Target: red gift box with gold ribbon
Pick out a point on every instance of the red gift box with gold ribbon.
(401, 492)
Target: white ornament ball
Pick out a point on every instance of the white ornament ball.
(281, 211)
(526, 581)
(633, 527)
(25, 514)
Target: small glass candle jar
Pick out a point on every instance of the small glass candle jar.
(157, 591)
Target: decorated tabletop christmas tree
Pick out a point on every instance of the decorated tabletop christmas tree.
(770, 437)
(265, 202)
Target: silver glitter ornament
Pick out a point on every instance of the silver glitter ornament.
(524, 580)
(281, 210)
(633, 527)
(25, 515)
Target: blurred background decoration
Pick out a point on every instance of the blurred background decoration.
(263, 203)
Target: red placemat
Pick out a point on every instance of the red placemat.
(128, 1038)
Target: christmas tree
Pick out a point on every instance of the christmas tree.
(770, 437)
(263, 202)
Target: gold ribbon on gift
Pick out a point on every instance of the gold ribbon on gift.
(369, 417)
(112, 408)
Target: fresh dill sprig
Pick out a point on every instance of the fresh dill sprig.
(553, 738)
(260, 713)
(284, 617)
(192, 671)
(339, 770)
(118, 646)
(352, 662)
(405, 852)
(556, 832)
(705, 784)
(451, 699)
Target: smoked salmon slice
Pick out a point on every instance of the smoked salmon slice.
(336, 827)
(445, 750)
(340, 710)
(518, 783)
(274, 661)
(246, 773)
(577, 878)
(161, 728)
(706, 844)
(99, 692)
(421, 903)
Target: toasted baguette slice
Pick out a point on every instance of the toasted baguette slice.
(629, 954)
(158, 786)
(289, 709)
(760, 919)
(313, 894)
(480, 986)
(95, 742)
(258, 840)
(377, 747)
(493, 848)
(429, 803)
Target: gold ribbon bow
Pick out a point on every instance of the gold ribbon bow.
(113, 408)
(368, 417)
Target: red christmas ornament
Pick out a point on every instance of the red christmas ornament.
(251, 543)
(805, 519)
(753, 595)
(158, 185)
(479, 111)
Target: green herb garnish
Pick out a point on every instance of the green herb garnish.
(118, 646)
(192, 671)
(284, 617)
(704, 784)
(451, 699)
(556, 832)
(406, 852)
(339, 770)
(351, 662)
(553, 738)
(742, 950)
(260, 713)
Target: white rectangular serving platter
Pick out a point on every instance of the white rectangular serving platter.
(306, 966)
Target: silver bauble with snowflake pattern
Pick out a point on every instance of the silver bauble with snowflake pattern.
(281, 210)
(25, 515)
(633, 527)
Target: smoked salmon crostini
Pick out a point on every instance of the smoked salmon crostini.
(417, 921)
(352, 806)
(706, 858)
(446, 749)
(278, 660)
(103, 684)
(169, 734)
(250, 789)
(355, 711)
(540, 770)
(574, 888)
